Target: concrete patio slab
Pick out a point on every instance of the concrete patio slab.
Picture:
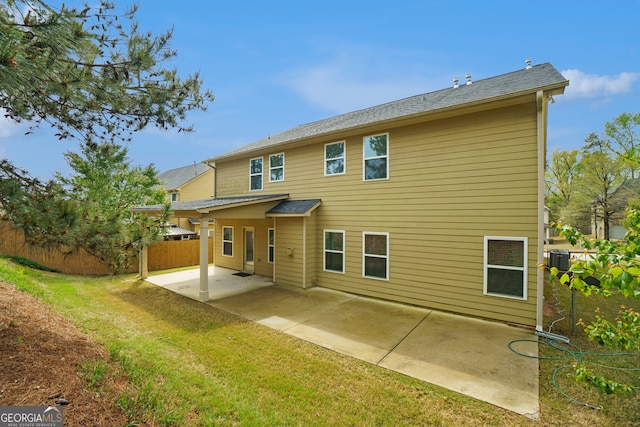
(282, 308)
(472, 357)
(466, 355)
(361, 327)
(222, 282)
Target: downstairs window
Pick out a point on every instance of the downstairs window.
(505, 267)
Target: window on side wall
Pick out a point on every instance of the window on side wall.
(227, 241)
(376, 157)
(276, 167)
(375, 254)
(334, 158)
(174, 196)
(271, 245)
(255, 174)
(505, 266)
(334, 251)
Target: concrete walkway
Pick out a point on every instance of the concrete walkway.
(466, 355)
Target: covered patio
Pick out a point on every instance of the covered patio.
(221, 282)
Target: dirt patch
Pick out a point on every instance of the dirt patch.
(41, 355)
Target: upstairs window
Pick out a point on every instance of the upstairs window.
(255, 174)
(227, 241)
(334, 158)
(276, 167)
(174, 197)
(505, 267)
(376, 157)
(375, 255)
(334, 251)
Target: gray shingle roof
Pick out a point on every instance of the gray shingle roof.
(178, 231)
(539, 77)
(294, 207)
(176, 178)
(211, 204)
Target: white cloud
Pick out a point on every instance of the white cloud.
(584, 85)
(349, 82)
(8, 127)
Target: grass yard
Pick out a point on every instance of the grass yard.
(186, 363)
(624, 368)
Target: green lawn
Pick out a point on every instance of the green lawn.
(190, 364)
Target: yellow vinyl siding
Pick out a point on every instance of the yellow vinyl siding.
(261, 264)
(289, 266)
(201, 187)
(451, 182)
(256, 211)
(312, 255)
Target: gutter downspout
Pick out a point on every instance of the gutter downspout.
(541, 117)
(215, 177)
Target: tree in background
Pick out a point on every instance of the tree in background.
(603, 175)
(89, 209)
(87, 74)
(104, 187)
(561, 176)
(41, 209)
(92, 75)
(615, 264)
(624, 139)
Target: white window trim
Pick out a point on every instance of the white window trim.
(325, 250)
(277, 167)
(344, 158)
(364, 158)
(174, 196)
(269, 245)
(227, 241)
(364, 255)
(524, 269)
(255, 174)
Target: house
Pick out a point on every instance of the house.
(622, 197)
(173, 232)
(186, 183)
(436, 200)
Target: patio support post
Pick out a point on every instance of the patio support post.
(144, 263)
(204, 260)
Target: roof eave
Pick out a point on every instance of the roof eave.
(243, 203)
(552, 89)
(307, 213)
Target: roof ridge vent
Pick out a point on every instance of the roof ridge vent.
(455, 83)
(469, 79)
(528, 62)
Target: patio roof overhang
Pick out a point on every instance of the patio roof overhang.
(201, 208)
(294, 208)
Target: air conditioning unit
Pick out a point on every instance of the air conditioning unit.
(559, 258)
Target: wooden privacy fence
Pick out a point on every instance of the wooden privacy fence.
(79, 262)
(161, 255)
(176, 253)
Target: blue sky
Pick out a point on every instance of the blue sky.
(274, 65)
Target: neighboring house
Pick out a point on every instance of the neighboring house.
(173, 232)
(187, 183)
(435, 200)
(624, 196)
